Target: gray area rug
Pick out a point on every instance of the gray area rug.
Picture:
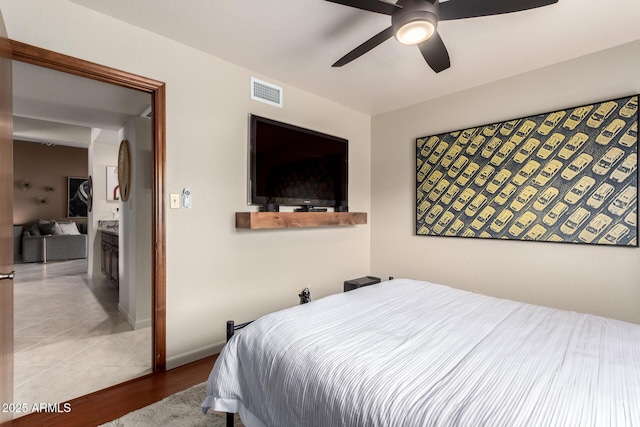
(181, 410)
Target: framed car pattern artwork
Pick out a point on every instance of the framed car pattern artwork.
(565, 176)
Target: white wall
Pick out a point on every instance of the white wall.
(585, 278)
(215, 272)
(134, 238)
(101, 155)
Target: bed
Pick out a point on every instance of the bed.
(412, 353)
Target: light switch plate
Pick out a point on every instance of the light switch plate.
(175, 200)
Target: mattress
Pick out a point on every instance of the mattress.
(411, 353)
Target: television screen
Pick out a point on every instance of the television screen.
(293, 166)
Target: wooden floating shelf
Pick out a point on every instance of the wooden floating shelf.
(261, 220)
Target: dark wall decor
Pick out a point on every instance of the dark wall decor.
(565, 176)
(79, 193)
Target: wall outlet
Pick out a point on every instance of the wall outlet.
(175, 200)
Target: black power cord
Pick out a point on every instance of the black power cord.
(305, 296)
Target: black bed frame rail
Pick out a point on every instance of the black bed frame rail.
(231, 329)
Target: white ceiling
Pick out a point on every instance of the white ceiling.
(60, 97)
(296, 41)
(49, 103)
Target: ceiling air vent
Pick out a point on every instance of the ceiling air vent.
(147, 113)
(266, 92)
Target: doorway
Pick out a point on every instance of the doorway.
(52, 60)
(75, 331)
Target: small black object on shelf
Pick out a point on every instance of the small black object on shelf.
(352, 284)
(342, 209)
(270, 207)
(310, 209)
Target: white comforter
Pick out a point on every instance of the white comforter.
(409, 353)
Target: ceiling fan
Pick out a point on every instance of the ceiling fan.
(415, 22)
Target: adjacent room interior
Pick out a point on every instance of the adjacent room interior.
(76, 325)
(381, 103)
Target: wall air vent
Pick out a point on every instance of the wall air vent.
(266, 92)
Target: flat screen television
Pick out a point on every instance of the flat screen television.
(293, 166)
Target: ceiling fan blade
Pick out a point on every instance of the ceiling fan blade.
(365, 47)
(378, 6)
(435, 53)
(458, 9)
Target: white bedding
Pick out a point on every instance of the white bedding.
(409, 353)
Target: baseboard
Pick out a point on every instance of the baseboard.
(135, 324)
(192, 356)
(140, 324)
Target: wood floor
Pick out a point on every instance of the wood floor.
(111, 403)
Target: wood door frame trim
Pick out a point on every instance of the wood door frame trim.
(48, 59)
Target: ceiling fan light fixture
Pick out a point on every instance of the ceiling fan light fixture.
(414, 27)
(415, 32)
(415, 22)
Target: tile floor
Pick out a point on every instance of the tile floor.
(70, 338)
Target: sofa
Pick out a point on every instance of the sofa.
(49, 240)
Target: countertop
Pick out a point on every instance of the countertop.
(110, 226)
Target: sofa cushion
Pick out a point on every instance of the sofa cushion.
(46, 227)
(33, 231)
(68, 228)
(56, 230)
(82, 226)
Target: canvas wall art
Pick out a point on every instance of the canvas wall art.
(113, 191)
(564, 176)
(79, 193)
